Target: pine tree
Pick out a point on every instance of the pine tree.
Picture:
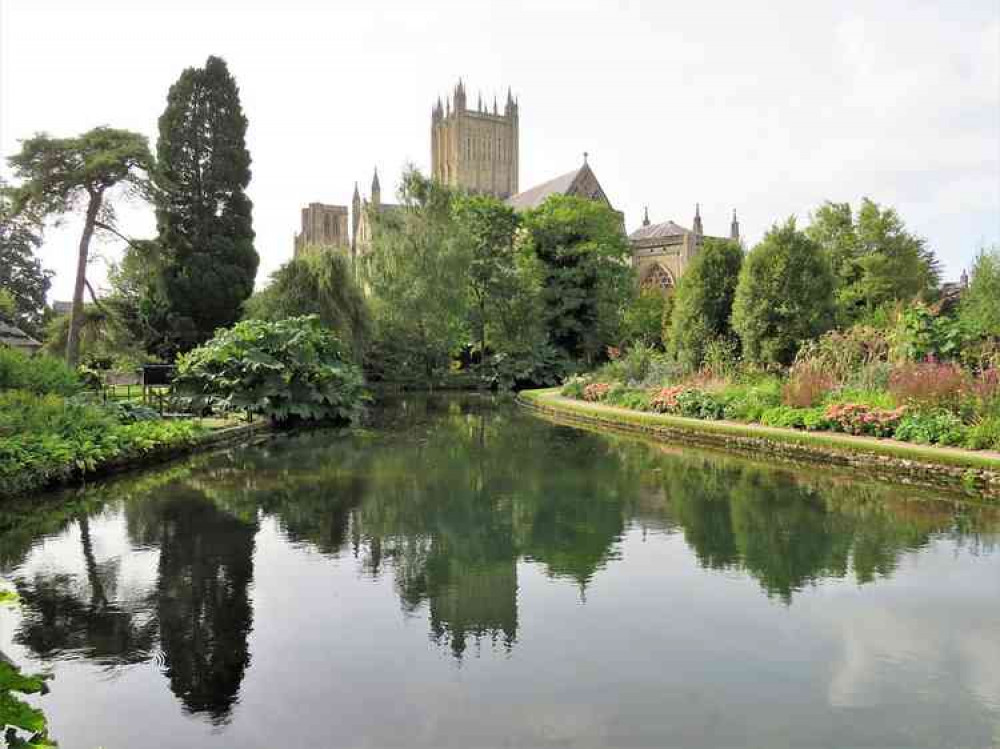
(203, 212)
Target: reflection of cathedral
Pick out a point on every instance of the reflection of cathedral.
(478, 601)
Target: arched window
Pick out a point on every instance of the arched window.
(658, 277)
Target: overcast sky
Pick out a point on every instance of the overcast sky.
(768, 108)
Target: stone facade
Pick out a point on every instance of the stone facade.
(475, 149)
(661, 252)
(323, 225)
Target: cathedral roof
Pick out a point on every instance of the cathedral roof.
(536, 195)
(656, 231)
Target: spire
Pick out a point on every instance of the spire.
(734, 228)
(494, 103)
(357, 193)
(645, 216)
(697, 220)
(376, 189)
(480, 105)
(460, 96)
(585, 158)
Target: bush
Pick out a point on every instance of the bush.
(37, 374)
(930, 384)
(666, 400)
(625, 397)
(748, 402)
(985, 435)
(596, 392)
(698, 404)
(857, 418)
(289, 370)
(573, 387)
(842, 354)
(789, 417)
(931, 427)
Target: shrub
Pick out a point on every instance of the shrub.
(985, 435)
(636, 363)
(795, 418)
(698, 404)
(596, 391)
(625, 397)
(573, 387)
(929, 384)
(289, 370)
(38, 374)
(748, 402)
(857, 418)
(665, 400)
(931, 427)
(722, 357)
(807, 384)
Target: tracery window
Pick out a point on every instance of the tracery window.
(658, 278)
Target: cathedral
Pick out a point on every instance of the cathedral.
(477, 150)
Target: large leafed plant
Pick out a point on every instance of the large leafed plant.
(289, 370)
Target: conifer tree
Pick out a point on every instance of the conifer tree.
(203, 212)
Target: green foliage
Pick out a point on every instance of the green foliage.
(59, 175)
(47, 438)
(587, 281)
(488, 227)
(22, 279)
(203, 212)
(416, 275)
(931, 427)
(319, 281)
(23, 726)
(921, 333)
(789, 417)
(37, 374)
(100, 335)
(784, 296)
(874, 259)
(289, 370)
(704, 302)
(980, 305)
(698, 404)
(642, 322)
(540, 366)
(985, 435)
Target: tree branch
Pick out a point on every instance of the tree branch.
(113, 230)
(94, 299)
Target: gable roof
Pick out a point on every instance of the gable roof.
(535, 196)
(656, 231)
(16, 338)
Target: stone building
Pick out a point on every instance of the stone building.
(363, 216)
(475, 149)
(323, 225)
(661, 252)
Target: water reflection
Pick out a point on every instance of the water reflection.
(446, 497)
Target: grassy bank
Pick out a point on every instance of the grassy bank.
(976, 471)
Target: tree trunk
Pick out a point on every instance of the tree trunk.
(76, 313)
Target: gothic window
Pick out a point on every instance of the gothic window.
(658, 277)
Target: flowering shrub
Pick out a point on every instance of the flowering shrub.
(857, 418)
(665, 400)
(930, 384)
(596, 392)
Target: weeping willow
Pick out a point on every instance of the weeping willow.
(320, 281)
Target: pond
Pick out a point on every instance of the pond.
(465, 574)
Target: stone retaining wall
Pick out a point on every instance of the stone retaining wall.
(975, 481)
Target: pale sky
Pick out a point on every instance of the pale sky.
(768, 108)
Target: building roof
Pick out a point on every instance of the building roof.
(535, 196)
(656, 231)
(16, 338)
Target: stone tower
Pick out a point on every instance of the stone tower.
(475, 149)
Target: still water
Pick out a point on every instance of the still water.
(463, 574)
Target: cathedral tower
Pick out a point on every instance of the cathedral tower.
(475, 149)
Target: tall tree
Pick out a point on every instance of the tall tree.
(489, 227)
(59, 175)
(875, 260)
(203, 212)
(416, 274)
(980, 305)
(704, 300)
(784, 295)
(22, 277)
(588, 281)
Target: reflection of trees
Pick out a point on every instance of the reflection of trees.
(202, 602)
